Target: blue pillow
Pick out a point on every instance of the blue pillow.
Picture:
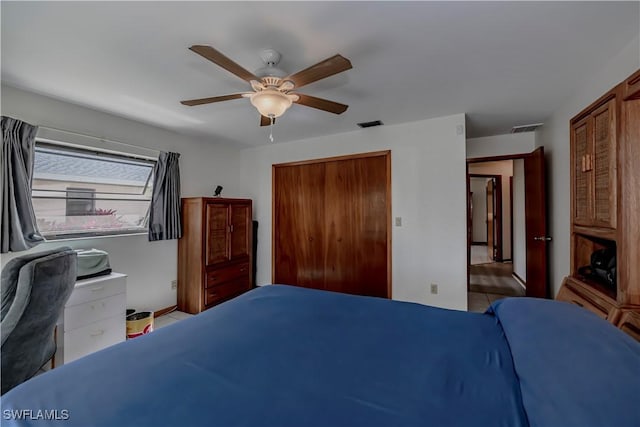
(574, 368)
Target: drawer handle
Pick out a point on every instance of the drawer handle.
(95, 334)
(99, 288)
(243, 269)
(577, 303)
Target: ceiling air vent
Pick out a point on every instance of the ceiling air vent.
(526, 128)
(370, 124)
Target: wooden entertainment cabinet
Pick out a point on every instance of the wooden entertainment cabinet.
(605, 204)
(215, 252)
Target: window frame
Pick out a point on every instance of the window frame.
(117, 156)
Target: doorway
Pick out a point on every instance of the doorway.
(513, 263)
(485, 217)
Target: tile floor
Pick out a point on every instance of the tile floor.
(480, 255)
(169, 318)
(489, 283)
(478, 302)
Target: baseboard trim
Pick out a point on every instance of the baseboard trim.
(479, 243)
(164, 311)
(519, 280)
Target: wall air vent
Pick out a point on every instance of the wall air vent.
(526, 128)
(370, 124)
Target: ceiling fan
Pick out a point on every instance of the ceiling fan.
(272, 88)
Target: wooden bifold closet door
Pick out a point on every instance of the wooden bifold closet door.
(331, 224)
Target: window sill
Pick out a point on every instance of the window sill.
(51, 239)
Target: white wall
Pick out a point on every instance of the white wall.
(428, 192)
(500, 145)
(478, 188)
(519, 251)
(554, 136)
(151, 266)
(505, 169)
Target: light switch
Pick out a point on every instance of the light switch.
(398, 221)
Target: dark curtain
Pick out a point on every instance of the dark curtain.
(19, 230)
(164, 215)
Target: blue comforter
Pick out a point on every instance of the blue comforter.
(286, 356)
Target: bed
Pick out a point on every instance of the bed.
(288, 356)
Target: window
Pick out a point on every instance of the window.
(80, 201)
(80, 192)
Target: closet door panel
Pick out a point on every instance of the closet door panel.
(356, 221)
(299, 225)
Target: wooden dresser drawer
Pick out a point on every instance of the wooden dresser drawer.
(574, 292)
(222, 275)
(630, 323)
(223, 291)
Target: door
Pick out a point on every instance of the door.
(490, 221)
(331, 224)
(356, 226)
(535, 205)
(298, 225)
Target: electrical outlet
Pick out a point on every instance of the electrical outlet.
(174, 284)
(434, 288)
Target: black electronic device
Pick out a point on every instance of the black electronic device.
(602, 267)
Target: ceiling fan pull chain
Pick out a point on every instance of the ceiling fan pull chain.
(271, 130)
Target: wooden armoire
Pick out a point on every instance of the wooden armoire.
(215, 252)
(605, 205)
(332, 224)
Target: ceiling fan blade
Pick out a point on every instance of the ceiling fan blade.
(321, 104)
(222, 61)
(266, 121)
(330, 66)
(192, 102)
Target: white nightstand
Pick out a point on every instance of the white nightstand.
(93, 318)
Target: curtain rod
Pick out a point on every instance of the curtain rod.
(99, 139)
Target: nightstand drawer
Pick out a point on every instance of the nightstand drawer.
(93, 337)
(89, 312)
(222, 275)
(216, 294)
(97, 288)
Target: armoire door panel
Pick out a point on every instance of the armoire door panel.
(240, 221)
(217, 234)
(604, 165)
(581, 139)
(299, 225)
(356, 225)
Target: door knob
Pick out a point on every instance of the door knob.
(542, 238)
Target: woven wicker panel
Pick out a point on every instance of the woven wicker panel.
(581, 214)
(604, 211)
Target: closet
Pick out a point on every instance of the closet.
(332, 224)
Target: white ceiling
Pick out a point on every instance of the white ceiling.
(502, 63)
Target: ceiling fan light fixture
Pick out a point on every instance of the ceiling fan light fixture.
(271, 102)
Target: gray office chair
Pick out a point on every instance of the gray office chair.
(34, 289)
